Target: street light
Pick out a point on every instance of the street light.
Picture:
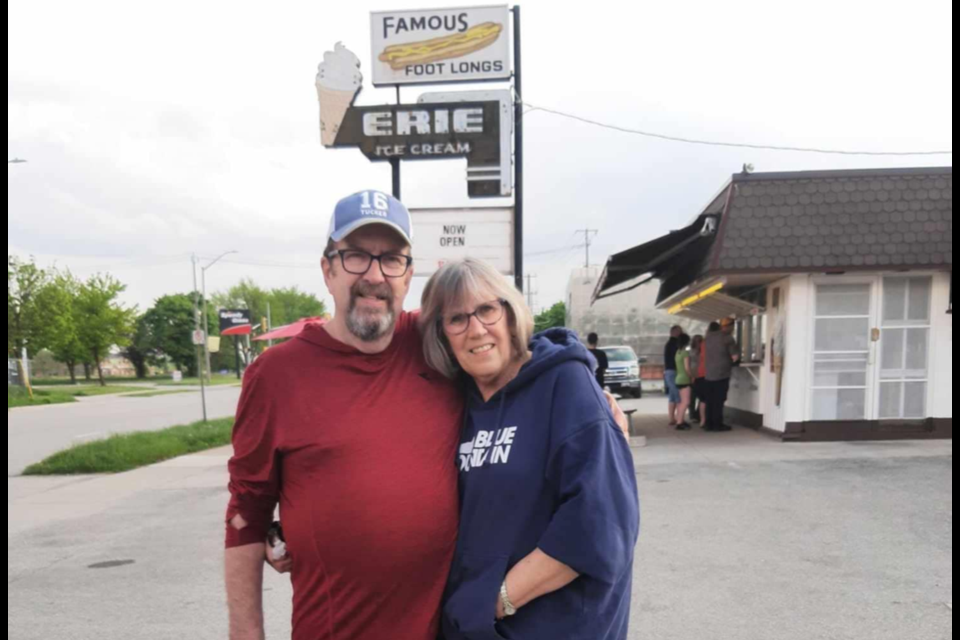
(206, 322)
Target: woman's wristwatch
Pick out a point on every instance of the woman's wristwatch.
(508, 608)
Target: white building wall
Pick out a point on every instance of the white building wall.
(941, 362)
(754, 388)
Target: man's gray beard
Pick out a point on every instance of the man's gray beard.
(370, 328)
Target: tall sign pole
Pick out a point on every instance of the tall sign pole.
(518, 152)
(395, 164)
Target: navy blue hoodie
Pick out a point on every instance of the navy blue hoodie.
(544, 465)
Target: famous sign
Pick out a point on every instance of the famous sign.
(485, 233)
(440, 45)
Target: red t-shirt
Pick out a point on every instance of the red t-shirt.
(359, 450)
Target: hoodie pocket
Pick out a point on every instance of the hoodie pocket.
(471, 608)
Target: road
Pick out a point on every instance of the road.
(33, 433)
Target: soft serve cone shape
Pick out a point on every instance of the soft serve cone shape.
(338, 82)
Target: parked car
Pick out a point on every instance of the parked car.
(623, 376)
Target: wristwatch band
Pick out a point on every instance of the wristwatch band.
(508, 608)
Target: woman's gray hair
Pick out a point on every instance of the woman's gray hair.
(458, 282)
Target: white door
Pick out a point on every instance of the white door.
(871, 349)
(904, 348)
(843, 380)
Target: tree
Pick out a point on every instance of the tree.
(138, 351)
(102, 321)
(555, 316)
(291, 304)
(56, 303)
(164, 332)
(24, 324)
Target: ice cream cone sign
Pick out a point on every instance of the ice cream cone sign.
(338, 82)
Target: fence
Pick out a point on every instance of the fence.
(13, 374)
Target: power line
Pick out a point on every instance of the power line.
(553, 251)
(738, 145)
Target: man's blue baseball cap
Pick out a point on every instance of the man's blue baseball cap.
(370, 207)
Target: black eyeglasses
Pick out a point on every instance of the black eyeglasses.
(489, 313)
(356, 262)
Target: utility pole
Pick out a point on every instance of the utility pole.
(588, 234)
(269, 324)
(196, 316)
(529, 290)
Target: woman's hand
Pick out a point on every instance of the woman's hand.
(618, 415)
(533, 577)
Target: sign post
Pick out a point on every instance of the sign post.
(518, 152)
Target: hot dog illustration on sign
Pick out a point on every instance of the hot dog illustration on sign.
(457, 45)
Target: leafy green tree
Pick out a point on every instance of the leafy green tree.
(102, 322)
(555, 316)
(24, 323)
(56, 304)
(138, 350)
(164, 332)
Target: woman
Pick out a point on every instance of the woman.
(684, 380)
(549, 513)
(698, 367)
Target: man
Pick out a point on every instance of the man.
(603, 363)
(670, 374)
(355, 437)
(721, 352)
(349, 430)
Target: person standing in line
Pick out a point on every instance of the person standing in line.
(684, 381)
(698, 404)
(722, 354)
(603, 363)
(670, 374)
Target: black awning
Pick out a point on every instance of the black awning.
(654, 259)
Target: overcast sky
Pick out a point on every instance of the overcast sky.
(157, 130)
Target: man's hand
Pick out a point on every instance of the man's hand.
(618, 415)
(283, 565)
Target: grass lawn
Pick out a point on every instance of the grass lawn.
(97, 390)
(65, 382)
(18, 397)
(215, 381)
(129, 451)
(151, 394)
